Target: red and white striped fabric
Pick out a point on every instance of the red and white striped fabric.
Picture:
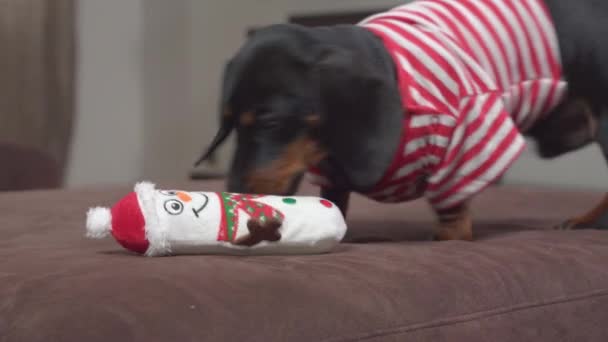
(473, 75)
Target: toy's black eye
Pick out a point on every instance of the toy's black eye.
(168, 192)
(174, 207)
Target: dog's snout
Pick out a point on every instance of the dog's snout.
(273, 171)
(259, 182)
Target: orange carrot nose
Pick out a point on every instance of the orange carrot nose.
(184, 196)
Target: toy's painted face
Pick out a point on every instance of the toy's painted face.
(177, 202)
(191, 216)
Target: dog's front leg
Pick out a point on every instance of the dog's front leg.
(455, 223)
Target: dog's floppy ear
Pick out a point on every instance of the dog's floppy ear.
(226, 119)
(360, 114)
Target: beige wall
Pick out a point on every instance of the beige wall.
(217, 29)
(148, 83)
(108, 138)
(315, 6)
(166, 87)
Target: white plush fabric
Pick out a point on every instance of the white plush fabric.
(182, 222)
(99, 222)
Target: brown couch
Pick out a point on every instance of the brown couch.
(519, 281)
(27, 168)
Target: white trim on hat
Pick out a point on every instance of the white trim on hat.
(156, 228)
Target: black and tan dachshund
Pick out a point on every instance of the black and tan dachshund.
(330, 98)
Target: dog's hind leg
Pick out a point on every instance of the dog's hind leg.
(595, 218)
(598, 216)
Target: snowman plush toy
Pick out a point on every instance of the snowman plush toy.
(154, 222)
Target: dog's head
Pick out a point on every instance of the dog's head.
(291, 100)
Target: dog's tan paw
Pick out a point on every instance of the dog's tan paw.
(594, 218)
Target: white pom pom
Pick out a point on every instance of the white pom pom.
(99, 222)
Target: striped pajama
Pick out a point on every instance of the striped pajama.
(474, 75)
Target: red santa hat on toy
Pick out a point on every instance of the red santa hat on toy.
(132, 221)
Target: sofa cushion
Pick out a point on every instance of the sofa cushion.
(519, 281)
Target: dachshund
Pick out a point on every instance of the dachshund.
(431, 99)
